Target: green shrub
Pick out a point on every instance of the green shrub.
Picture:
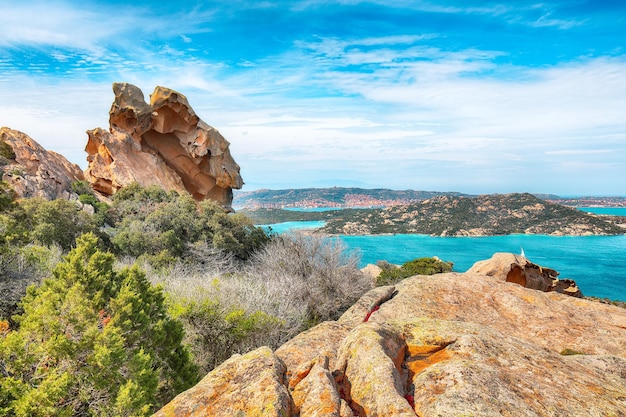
(7, 196)
(82, 188)
(214, 332)
(92, 341)
(150, 221)
(88, 199)
(420, 266)
(55, 222)
(21, 266)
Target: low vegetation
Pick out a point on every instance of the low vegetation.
(455, 216)
(391, 274)
(130, 305)
(92, 341)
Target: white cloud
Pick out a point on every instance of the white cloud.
(389, 110)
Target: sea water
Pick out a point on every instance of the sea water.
(596, 263)
(606, 211)
(284, 227)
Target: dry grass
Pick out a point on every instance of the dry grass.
(298, 279)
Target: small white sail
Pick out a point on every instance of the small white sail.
(522, 253)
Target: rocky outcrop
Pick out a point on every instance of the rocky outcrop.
(440, 345)
(519, 270)
(161, 143)
(33, 171)
(252, 384)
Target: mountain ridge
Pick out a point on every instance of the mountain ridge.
(443, 215)
(332, 197)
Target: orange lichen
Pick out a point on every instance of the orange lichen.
(421, 357)
(4, 327)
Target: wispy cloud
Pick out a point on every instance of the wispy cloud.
(406, 107)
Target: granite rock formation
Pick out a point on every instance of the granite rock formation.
(161, 143)
(440, 345)
(517, 269)
(33, 171)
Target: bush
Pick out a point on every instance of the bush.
(82, 188)
(293, 283)
(420, 266)
(54, 222)
(151, 221)
(21, 267)
(7, 196)
(215, 332)
(92, 341)
(311, 271)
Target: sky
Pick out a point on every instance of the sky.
(469, 96)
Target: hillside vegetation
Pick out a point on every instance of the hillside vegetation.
(113, 309)
(494, 214)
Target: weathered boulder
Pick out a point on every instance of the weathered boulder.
(317, 393)
(33, 171)
(518, 269)
(446, 344)
(250, 385)
(162, 143)
(548, 319)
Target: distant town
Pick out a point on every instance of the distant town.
(337, 197)
(590, 201)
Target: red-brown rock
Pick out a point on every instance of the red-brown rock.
(33, 171)
(519, 270)
(162, 143)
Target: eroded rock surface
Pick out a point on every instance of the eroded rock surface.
(518, 269)
(33, 171)
(161, 143)
(443, 345)
(251, 385)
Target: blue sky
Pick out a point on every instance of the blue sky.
(477, 97)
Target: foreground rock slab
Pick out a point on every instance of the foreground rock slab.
(161, 143)
(443, 345)
(252, 384)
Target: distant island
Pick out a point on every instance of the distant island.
(353, 197)
(331, 197)
(444, 215)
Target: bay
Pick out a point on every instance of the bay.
(288, 226)
(596, 263)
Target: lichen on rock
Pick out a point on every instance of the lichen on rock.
(447, 344)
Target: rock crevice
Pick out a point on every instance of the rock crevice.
(447, 344)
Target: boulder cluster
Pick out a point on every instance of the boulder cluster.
(162, 143)
(441, 345)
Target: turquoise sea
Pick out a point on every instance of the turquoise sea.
(607, 211)
(596, 263)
